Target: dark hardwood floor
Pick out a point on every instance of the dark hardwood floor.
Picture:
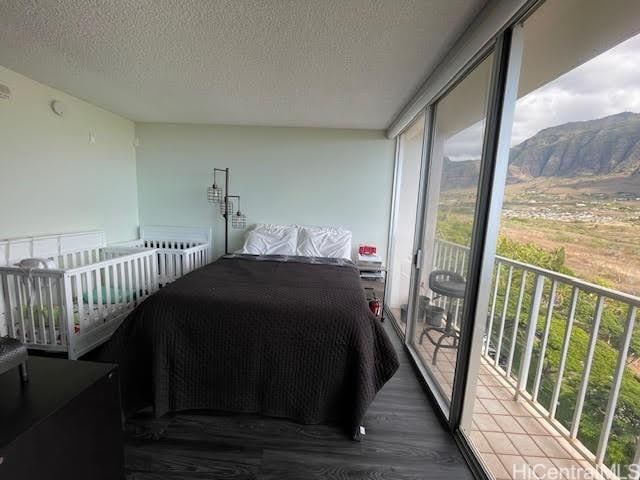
(404, 441)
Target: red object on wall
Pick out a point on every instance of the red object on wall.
(375, 306)
(367, 250)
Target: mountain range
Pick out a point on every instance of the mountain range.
(603, 146)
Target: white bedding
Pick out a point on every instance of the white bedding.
(301, 240)
(267, 239)
(324, 242)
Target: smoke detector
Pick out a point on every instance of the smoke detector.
(5, 93)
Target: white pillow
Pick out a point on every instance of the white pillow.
(269, 239)
(324, 242)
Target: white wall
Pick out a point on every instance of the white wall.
(52, 179)
(284, 175)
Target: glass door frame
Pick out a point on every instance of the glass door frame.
(446, 409)
(505, 70)
(493, 177)
(397, 180)
(395, 191)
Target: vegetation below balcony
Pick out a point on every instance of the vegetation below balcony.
(626, 424)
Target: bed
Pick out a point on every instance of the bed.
(277, 335)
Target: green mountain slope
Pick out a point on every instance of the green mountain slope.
(595, 147)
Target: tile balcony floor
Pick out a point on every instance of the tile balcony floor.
(513, 440)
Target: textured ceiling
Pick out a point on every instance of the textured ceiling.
(321, 63)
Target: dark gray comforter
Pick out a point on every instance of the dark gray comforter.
(276, 336)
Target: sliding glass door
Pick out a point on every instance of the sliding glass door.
(450, 208)
(522, 316)
(407, 179)
(556, 389)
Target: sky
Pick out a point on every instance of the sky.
(605, 85)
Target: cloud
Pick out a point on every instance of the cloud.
(605, 85)
(467, 144)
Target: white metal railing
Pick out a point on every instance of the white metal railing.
(500, 351)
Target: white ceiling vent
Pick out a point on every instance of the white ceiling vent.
(5, 93)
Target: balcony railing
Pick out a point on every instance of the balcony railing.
(526, 301)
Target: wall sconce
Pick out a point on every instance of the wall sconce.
(219, 196)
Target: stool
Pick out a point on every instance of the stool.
(13, 354)
(451, 285)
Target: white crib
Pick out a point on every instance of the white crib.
(78, 305)
(180, 250)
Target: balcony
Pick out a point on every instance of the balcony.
(555, 394)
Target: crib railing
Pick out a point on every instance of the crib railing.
(176, 258)
(79, 258)
(173, 264)
(30, 309)
(54, 309)
(169, 244)
(66, 249)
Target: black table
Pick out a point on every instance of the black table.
(449, 285)
(65, 423)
